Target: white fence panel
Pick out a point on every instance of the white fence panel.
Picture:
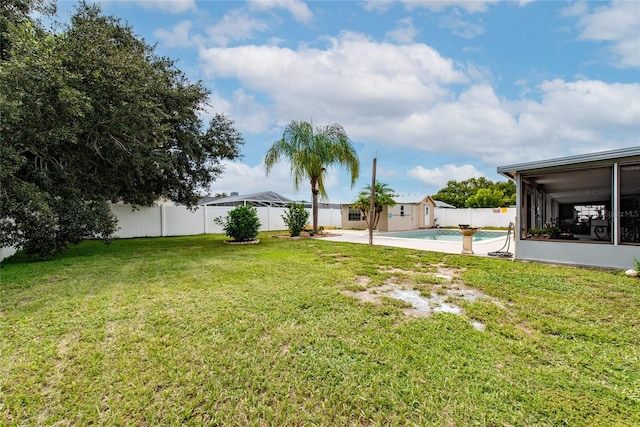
(274, 219)
(7, 252)
(328, 217)
(180, 221)
(477, 217)
(212, 212)
(142, 222)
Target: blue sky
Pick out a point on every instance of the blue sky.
(438, 90)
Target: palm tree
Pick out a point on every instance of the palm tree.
(383, 196)
(310, 151)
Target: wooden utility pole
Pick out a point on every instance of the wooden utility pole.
(372, 203)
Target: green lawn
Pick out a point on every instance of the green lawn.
(193, 331)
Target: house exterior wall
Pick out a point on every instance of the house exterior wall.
(346, 224)
(383, 223)
(587, 254)
(398, 220)
(414, 217)
(390, 219)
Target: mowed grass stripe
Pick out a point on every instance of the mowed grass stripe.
(191, 330)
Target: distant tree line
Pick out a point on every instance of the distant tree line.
(478, 193)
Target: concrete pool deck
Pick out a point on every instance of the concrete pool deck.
(481, 248)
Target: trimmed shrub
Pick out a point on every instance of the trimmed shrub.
(241, 224)
(295, 218)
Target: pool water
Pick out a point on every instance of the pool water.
(444, 235)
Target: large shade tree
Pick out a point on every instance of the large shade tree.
(310, 150)
(383, 196)
(90, 114)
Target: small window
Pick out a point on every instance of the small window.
(355, 215)
(402, 210)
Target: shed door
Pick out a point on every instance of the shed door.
(427, 222)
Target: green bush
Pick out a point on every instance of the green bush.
(295, 218)
(241, 224)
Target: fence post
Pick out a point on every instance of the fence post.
(163, 221)
(204, 219)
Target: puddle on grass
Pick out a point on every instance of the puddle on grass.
(433, 304)
(438, 300)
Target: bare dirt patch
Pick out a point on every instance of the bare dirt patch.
(363, 281)
(423, 299)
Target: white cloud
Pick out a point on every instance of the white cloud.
(405, 32)
(452, 20)
(249, 115)
(253, 117)
(168, 6)
(616, 24)
(410, 97)
(479, 73)
(354, 76)
(439, 177)
(600, 104)
(575, 9)
(246, 179)
(474, 6)
(469, 6)
(467, 125)
(461, 27)
(298, 9)
(380, 6)
(237, 25)
(582, 116)
(178, 36)
(216, 104)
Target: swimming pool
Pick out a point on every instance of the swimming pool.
(447, 235)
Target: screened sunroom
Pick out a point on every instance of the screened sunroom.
(580, 210)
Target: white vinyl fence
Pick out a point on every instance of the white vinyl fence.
(165, 220)
(156, 221)
(179, 221)
(476, 217)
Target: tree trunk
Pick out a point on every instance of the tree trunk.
(315, 212)
(314, 205)
(378, 211)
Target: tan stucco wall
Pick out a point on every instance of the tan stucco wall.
(396, 222)
(346, 224)
(391, 220)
